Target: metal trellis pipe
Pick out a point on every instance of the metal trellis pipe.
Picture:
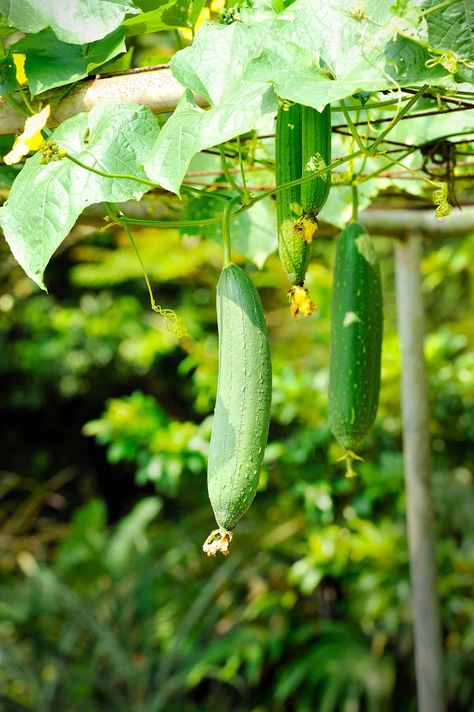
(417, 469)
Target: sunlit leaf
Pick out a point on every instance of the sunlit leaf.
(74, 21)
(51, 63)
(41, 209)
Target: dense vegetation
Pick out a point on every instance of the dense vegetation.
(102, 530)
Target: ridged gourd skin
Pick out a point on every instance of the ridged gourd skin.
(242, 412)
(294, 252)
(316, 152)
(356, 338)
(302, 145)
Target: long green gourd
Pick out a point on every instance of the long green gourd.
(316, 153)
(302, 145)
(242, 412)
(356, 341)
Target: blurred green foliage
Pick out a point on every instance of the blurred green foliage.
(107, 602)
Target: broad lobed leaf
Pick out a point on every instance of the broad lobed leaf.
(192, 129)
(450, 30)
(314, 53)
(46, 200)
(51, 63)
(73, 21)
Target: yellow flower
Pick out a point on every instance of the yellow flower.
(217, 5)
(309, 227)
(300, 301)
(19, 62)
(204, 15)
(31, 139)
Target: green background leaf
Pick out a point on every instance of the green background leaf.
(313, 53)
(166, 15)
(73, 21)
(51, 63)
(450, 29)
(406, 63)
(7, 76)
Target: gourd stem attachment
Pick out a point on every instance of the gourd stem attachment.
(355, 202)
(349, 457)
(218, 541)
(226, 241)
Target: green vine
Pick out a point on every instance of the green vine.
(439, 6)
(355, 202)
(226, 241)
(173, 322)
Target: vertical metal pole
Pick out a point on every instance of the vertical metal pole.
(417, 468)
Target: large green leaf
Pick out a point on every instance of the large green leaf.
(314, 52)
(46, 200)
(192, 129)
(236, 104)
(450, 28)
(52, 63)
(406, 62)
(74, 21)
(320, 52)
(167, 15)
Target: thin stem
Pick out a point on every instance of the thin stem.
(397, 162)
(253, 201)
(397, 118)
(171, 223)
(369, 105)
(228, 176)
(352, 128)
(355, 202)
(205, 193)
(172, 320)
(26, 101)
(417, 115)
(144, 181)
(118, 176)
(142, 264)
(226, 241)
(415, 173)
(246, 196)
(371, 149)
(299, 181)
(374, 174)
(16, 104)
(439, 6)
(234, 154)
